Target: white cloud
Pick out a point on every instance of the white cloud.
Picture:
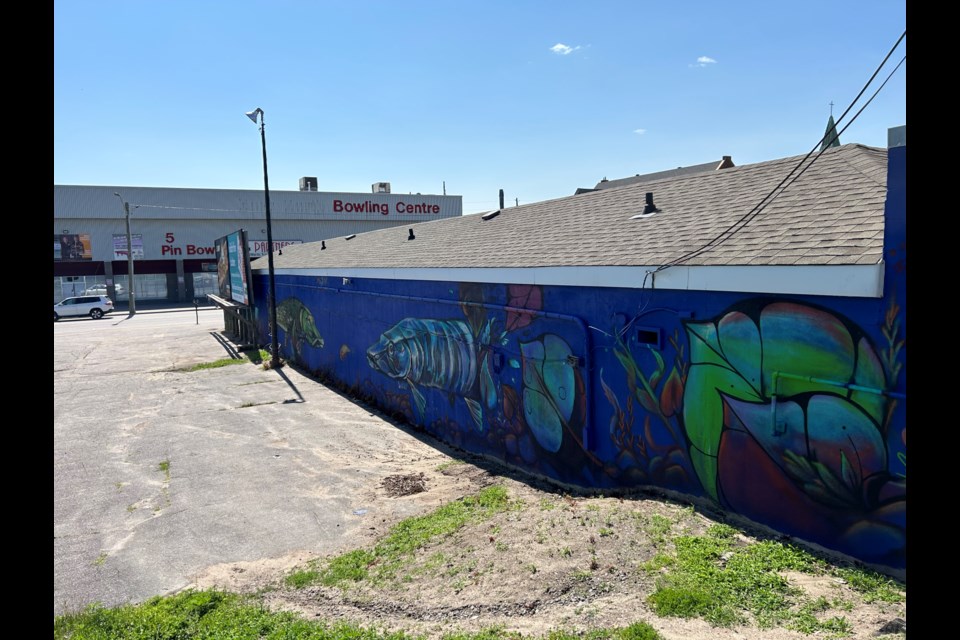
(563, 50)
(703, 61)
(639, 132)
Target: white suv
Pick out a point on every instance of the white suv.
(93, 306)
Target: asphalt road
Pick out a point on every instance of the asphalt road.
(160, 473)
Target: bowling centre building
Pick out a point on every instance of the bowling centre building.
(172, 231)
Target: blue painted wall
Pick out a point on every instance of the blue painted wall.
(788, 410)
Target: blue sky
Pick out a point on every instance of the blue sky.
(535, 98)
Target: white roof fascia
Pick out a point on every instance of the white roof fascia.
(857, 281)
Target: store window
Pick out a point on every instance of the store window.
(204, 284)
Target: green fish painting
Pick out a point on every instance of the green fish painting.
(297, 322)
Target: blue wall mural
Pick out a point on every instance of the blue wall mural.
(787, 410)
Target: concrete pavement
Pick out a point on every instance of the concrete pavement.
(160, 472)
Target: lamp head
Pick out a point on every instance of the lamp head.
(253, 114)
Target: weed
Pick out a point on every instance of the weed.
(100, 560)
(547, 505)
(871, 585)
(446, 465)
(302, 578)
(566, 552)
(165, 467)
(605, 532)
(501, 546)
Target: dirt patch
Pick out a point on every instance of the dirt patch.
(404, 485)
(554, 561)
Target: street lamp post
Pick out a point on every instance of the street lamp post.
(274, 346)
(132, 297)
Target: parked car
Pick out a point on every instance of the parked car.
(101, 290)
(93, 306)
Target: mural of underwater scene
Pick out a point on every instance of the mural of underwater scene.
(787, 409)
(512, 369)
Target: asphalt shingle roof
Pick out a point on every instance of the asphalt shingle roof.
(833, 214)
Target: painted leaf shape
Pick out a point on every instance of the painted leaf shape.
(737, 358)
(869, 373)
(830, 447)
(838, 428)
(671, 398)
(804, 342)
(548, 389)
(739, 339)
(702, 404)
(524, 296)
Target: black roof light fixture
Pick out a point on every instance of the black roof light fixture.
(323, 245)
(411, 236)
(351, 236)
(491, 215)
(648, 210)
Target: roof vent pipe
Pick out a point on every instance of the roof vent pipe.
(411, 236)
(501, 198)
(650, 207)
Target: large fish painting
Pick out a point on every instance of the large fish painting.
(298, 323)
(440, 354)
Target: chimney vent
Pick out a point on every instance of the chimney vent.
(308, 184)
(726, 163)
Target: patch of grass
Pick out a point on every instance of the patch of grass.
(713, 578)
(216, 364)
(302, 578)
(805, 620)
(100, 560)
(870, 585)
(382, 563)
(446, 465)
(658, 528)
(250, 355)
(202, 614)
(256, 356)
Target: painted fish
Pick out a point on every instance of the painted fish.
(440, 354)
(297, 321)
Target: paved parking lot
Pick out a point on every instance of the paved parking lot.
(160, 473)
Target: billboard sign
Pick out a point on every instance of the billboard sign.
(233, 267)
(120, 246)
(72, 247)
